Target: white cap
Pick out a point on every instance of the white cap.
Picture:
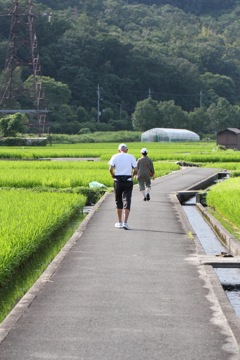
(144, 151)
(122, 146)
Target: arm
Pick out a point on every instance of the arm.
(135, 171)
(153, 171)
(111, 170)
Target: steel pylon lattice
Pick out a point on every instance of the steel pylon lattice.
(22, 62)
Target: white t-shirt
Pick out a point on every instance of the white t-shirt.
(123, 163)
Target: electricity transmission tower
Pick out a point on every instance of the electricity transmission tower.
(22, 62)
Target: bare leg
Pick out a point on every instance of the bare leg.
(126, 214)
(119, 215)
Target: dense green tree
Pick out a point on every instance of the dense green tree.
(106, 115)
(171, 115)
(18, 96)
(66, 113)
(11, 125)
(82, 114)
(146, 115)
(236, 112)
(222, 115)
(198, 121)
(195, 6)
(56, 92)
(121, 124)
(223, 86)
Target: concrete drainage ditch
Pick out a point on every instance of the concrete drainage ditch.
(222, 250)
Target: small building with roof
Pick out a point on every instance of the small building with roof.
(230, 138)
(169, 135)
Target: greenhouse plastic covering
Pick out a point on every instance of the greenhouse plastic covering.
(169, 135)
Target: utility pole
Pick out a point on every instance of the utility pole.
(201, 96)
(98, 103)
(23, 57)
(149, 94)
(120, 110)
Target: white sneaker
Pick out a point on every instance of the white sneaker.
(125, 226)
(119, 225)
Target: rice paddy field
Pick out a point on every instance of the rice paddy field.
(27, 220)
(224, 201)
(192, 152)
(35, 184)
(32, 174)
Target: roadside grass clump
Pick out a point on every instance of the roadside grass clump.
(224, 200)
(27, 220)
(235, 173)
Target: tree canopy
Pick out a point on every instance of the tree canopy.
(114, 54)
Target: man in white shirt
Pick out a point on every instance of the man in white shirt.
(123, 167)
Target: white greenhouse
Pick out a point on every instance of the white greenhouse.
(169, 135)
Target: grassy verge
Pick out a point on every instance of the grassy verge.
(231, 228)
(223, 201)
(28, 273)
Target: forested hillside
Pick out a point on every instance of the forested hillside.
(198, 7)
(124, 55)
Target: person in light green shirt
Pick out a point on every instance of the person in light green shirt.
(145, 173)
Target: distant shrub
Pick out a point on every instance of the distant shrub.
(221, 147)
(97, 137)
(24, 141)
(85, 131)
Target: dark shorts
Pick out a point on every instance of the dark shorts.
(123, 194)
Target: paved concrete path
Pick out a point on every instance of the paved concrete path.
(127, 295)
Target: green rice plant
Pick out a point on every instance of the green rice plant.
(163, 168)
(27, 219)
(232, 167)
(235, 173)
(195, 152)
(28, 273)
(52, 174)
(224, 165)
(157, 151)
(224, 198)
(62, 174)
